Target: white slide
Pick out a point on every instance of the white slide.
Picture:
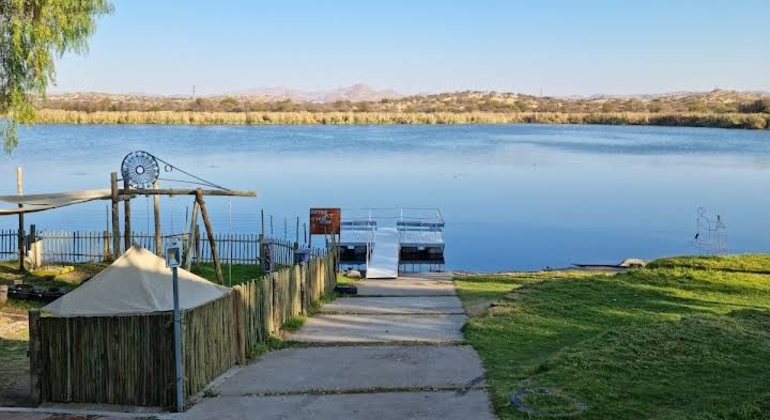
(384, 261)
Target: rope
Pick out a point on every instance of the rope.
(169, 167)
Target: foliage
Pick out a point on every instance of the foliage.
(32, 33)
(657, 343)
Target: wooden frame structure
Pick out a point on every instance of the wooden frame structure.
(127, 193)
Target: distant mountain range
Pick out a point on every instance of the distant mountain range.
(365, 93)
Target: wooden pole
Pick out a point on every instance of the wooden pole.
(176, 191)
(22, 247)
(115, 217)
(192, 240)
(240, 325)
(262, 213)
(156, 209)
(210, 233)
(127, 216)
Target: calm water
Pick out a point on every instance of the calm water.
(514, 197)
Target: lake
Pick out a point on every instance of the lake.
(514, 196)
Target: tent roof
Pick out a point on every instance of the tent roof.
(138, 282)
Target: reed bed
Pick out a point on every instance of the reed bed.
(757, 121)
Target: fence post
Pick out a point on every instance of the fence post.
(115, 216)
(35, 353)
(127, 215)
(274, 304)
(106, 246)
(240, 324)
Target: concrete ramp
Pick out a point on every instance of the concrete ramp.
(384, 261)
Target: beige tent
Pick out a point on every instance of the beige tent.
(138, 282)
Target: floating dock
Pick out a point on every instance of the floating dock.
(392, 241)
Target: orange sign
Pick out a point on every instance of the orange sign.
(324, 221)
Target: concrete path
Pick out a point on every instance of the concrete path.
(395, 305)
(349, 329)
(416, 370)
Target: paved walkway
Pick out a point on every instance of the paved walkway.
(391, 353)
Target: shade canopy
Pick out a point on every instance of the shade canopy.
(138, 282)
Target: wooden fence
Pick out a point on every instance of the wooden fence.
(104, 360)
(269, 302)
(128, 360)
(209, 343)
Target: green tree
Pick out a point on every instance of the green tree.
(32, 34)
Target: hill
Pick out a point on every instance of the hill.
(363, 98)
(360, 104)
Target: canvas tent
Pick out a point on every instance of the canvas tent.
(136, 283)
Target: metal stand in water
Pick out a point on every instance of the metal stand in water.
(174, 260)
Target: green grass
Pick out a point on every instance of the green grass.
(233, 274)
(677, 342)
(272, 343)
(294, 324)
(756, 263)
(345, 281)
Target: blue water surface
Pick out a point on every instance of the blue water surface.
(513, 196)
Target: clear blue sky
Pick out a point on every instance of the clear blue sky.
(569, 47)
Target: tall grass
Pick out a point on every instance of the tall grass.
(730, 120)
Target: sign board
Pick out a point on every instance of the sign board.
(325, 221)
(174, 255)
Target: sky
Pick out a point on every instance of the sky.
(557, 47)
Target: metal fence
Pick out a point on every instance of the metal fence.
(9, 244)
(82, 247)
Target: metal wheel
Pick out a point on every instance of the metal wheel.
(140, 169)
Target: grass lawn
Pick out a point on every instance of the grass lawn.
(233, 274)
(685, 338)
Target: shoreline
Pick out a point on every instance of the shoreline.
(750, 121)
